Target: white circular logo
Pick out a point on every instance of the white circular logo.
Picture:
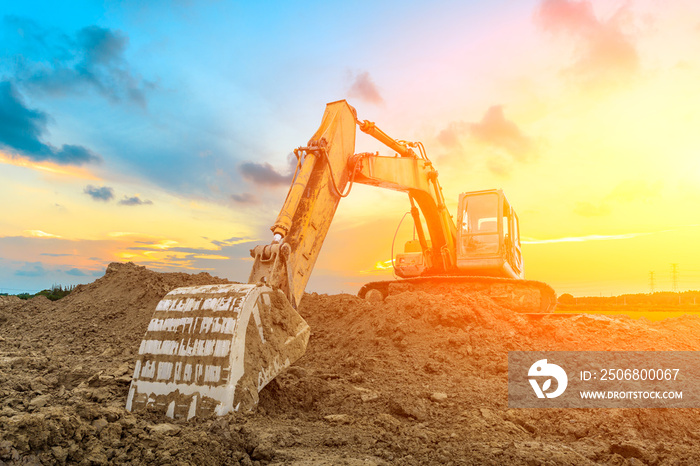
(541, 369)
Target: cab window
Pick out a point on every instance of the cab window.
(479, 229)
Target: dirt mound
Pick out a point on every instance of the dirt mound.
(8, 301)
(65, 367)
(132, 288)
(417, 379)
(108, 315)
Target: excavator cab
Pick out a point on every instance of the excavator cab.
(487, 240)
(488, 236)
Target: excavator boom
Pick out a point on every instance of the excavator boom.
(310, 205)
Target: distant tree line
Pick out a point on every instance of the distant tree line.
(55, 293)
(659, 299)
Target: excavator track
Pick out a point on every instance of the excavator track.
(523, 296)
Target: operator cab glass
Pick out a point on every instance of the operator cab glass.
(480, 232)
(488, 240)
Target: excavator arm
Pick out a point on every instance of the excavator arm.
(321, 176)
(415, 176)
(326, 169)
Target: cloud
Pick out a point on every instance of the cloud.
(74, 155)
(231, 248)
(580, 239)
(22, 128)
(173, 249)
(604, 54)
(495, 130)
(234, 241)
(76, 272)
(244, 198)
(56, 63)
(449, 137)
(103, 193)
(502, 138)
(39, 234)
(31, 269)
(363, 88)
(134, 200)
(264, 174)
(44, 64)
(571, 15)
(499, 166)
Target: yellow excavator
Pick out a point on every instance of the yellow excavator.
(211, 349)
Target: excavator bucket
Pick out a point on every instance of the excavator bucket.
(211, 349)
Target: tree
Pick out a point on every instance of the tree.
(566, 298)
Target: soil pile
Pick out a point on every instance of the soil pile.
(418, 379)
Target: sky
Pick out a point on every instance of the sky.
(161, 132)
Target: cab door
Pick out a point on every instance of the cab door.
(480, 224)
(512, 239)
(488, 239)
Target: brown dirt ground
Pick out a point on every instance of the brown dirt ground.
(370, 389)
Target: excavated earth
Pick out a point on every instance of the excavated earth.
(418, 379)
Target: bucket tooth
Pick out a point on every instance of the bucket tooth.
(211, 349)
